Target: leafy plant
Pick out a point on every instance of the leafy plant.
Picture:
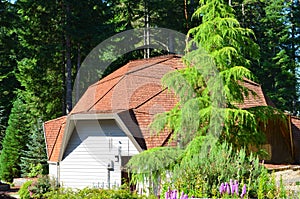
(39, 187)
(267, 187)
(153, 164)
(24, 192)
(282, 191)
(35, 170)
(88, 193)
(201, 175)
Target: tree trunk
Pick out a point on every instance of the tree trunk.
(63, 71)
(68, 64)
(186, 14)
(146, 31)
(293, 52)
(63, 58)
(77, 94)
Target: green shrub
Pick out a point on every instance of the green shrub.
(40, 187)
(282, 191)
(91, 193)
(266, 185)
(201, 175)
(35, 170)
(24, 192)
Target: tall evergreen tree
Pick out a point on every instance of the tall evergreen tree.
(208, 105)
(227, 45)
(40, 69)
(34, 158)
(272, 23)
(277, 61)
(14, 142)
(2, 126)
(9, 48)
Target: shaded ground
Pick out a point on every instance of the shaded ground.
(10, 194)
(6, 196)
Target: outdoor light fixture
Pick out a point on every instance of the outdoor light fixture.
(110, 166)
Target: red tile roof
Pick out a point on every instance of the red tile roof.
(258, 99)
(118, 91)
(54, 130)
(137, 87)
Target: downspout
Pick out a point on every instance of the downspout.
(58, 174)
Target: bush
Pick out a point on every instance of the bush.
(24, 190)
(201, 175)
(35, 170)
(40, 187)
(89, 193)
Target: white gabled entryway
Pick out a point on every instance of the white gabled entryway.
(93, 155)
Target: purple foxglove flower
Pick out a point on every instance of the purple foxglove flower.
(222, 188)
(236, 182)
(244, 191)
(174, 195)
(182, 195)
(227, 188)
(237, 188)
(232, 187)
(168, 193)
(186, 196)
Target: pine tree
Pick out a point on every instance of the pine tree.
(40, 67)
(34, 158)
(209, 90)
(9, 48)
(2, 127)
(14, 142)
(277, 71)
(227, 46)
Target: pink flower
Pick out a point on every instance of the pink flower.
(244, 191)
(232, 187)
(227, 188)
(222, 188)
(236, 184)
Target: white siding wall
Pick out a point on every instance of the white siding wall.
(91, 147)
(52, 170)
